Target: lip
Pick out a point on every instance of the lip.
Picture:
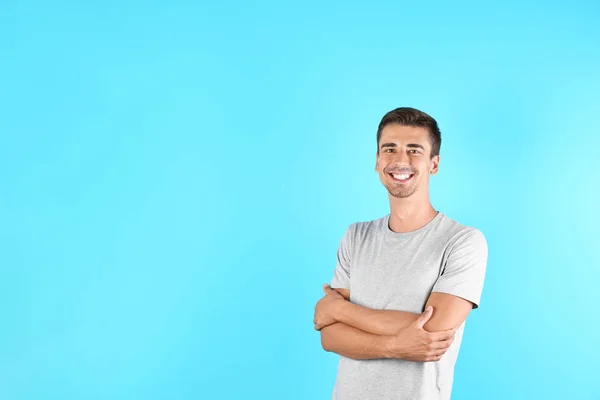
(404, 181)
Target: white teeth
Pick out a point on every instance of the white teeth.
(401, 177)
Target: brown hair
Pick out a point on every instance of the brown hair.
(408, 116)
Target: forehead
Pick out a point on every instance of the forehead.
(405, 134)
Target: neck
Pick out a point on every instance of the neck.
(410, 213)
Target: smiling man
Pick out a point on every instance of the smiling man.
(404, 284)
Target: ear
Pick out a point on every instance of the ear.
(376, 162)
(435, 165)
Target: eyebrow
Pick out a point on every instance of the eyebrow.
(408, 145)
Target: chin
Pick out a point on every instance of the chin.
(407, 192)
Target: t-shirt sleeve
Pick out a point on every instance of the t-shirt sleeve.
(341, 274)
(464, 272)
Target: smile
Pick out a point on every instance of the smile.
(401, 178)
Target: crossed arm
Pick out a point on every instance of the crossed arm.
(363, 333)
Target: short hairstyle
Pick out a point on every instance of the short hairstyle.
(408, 116)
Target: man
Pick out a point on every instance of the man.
(376, 311)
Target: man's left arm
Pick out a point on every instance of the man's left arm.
(458, 290)
(448, 312)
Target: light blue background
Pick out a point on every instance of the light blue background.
(176, 177)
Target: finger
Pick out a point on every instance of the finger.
(438, 353)
(434, 355)
(424, 317)
(443, 344)
(434, 358)
(326, 288)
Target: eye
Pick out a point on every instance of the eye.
(388, 150)
(414, 151)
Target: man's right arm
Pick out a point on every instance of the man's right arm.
(412, 343)
(353, 343)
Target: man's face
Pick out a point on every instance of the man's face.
(404, 161)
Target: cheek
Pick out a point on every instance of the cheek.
(424, 166)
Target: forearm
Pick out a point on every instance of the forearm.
(378, 322)
(354, 343)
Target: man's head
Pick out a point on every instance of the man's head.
(408, 148)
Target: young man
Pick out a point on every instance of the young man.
(376, 312)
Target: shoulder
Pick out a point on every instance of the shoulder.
(359, 231)
(459, 234)
(364, 227)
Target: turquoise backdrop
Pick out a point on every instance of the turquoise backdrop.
(175, 178)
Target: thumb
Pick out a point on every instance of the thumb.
(424, 317)
(326, 288)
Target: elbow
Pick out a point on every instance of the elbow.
(325, 341)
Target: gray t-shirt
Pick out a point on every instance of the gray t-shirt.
(398, 271)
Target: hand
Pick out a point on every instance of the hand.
(326, 308)
(414, 343)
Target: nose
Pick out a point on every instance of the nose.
(402, 158)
